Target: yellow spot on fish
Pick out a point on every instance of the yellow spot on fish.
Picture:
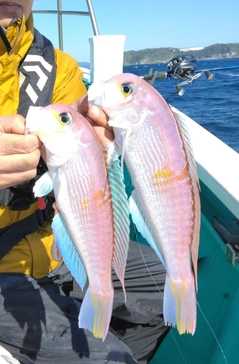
(178, 316)
(164, 172)
(179, 292)
(167, 176)
(84, 204)
(98, 319)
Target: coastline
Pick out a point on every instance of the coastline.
(163, 55)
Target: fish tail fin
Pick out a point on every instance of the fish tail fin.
(95, 313)
(180, 304)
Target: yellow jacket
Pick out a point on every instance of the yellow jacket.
(32, 255)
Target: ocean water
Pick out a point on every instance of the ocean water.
(212, 104)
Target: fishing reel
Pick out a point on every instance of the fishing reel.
(183, 68)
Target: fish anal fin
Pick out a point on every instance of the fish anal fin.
(141, 224)
(68, 250)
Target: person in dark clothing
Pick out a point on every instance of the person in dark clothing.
(39, 299)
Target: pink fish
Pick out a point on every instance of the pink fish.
(84, 228)
(165, 204)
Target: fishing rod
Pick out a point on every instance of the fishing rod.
(183, 68)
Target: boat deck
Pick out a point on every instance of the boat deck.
(216, 338)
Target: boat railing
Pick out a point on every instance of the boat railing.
(217, 164)
(59, 12)
(106, 51)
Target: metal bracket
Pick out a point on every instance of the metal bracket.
(232, 255)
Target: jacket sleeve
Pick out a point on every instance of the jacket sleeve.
(68, 85)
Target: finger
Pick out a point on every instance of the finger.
(56, 210)
(15, 169)
(20, 163)
(98, 116)
(99, 121)
(105, 136)
(81, 105)
(12, 179)
(11, 144)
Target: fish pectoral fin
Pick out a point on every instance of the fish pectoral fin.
(68, 250)
(141, 225)
(121, 219)
(95, 313)
(43, 185)
(180, 304)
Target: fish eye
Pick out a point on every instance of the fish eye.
(65, 118)
(127, 88)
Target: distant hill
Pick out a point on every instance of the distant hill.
(157, 55)
(84, 64)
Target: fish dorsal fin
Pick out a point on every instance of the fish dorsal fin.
(187, 144)
(43, 185)
(139, 221)
(120, 211)
(195, 183)
(68, 250)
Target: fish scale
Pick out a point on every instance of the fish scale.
(155, 198)
(94, 239)
(84, 230)
(164, 204)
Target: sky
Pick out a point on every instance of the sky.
(145, 23)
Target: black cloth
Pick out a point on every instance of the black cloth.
(39, 322)
(39, 56)
(12, 234)
(139, 321)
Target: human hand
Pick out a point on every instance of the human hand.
(19, 153)
(97, 118)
